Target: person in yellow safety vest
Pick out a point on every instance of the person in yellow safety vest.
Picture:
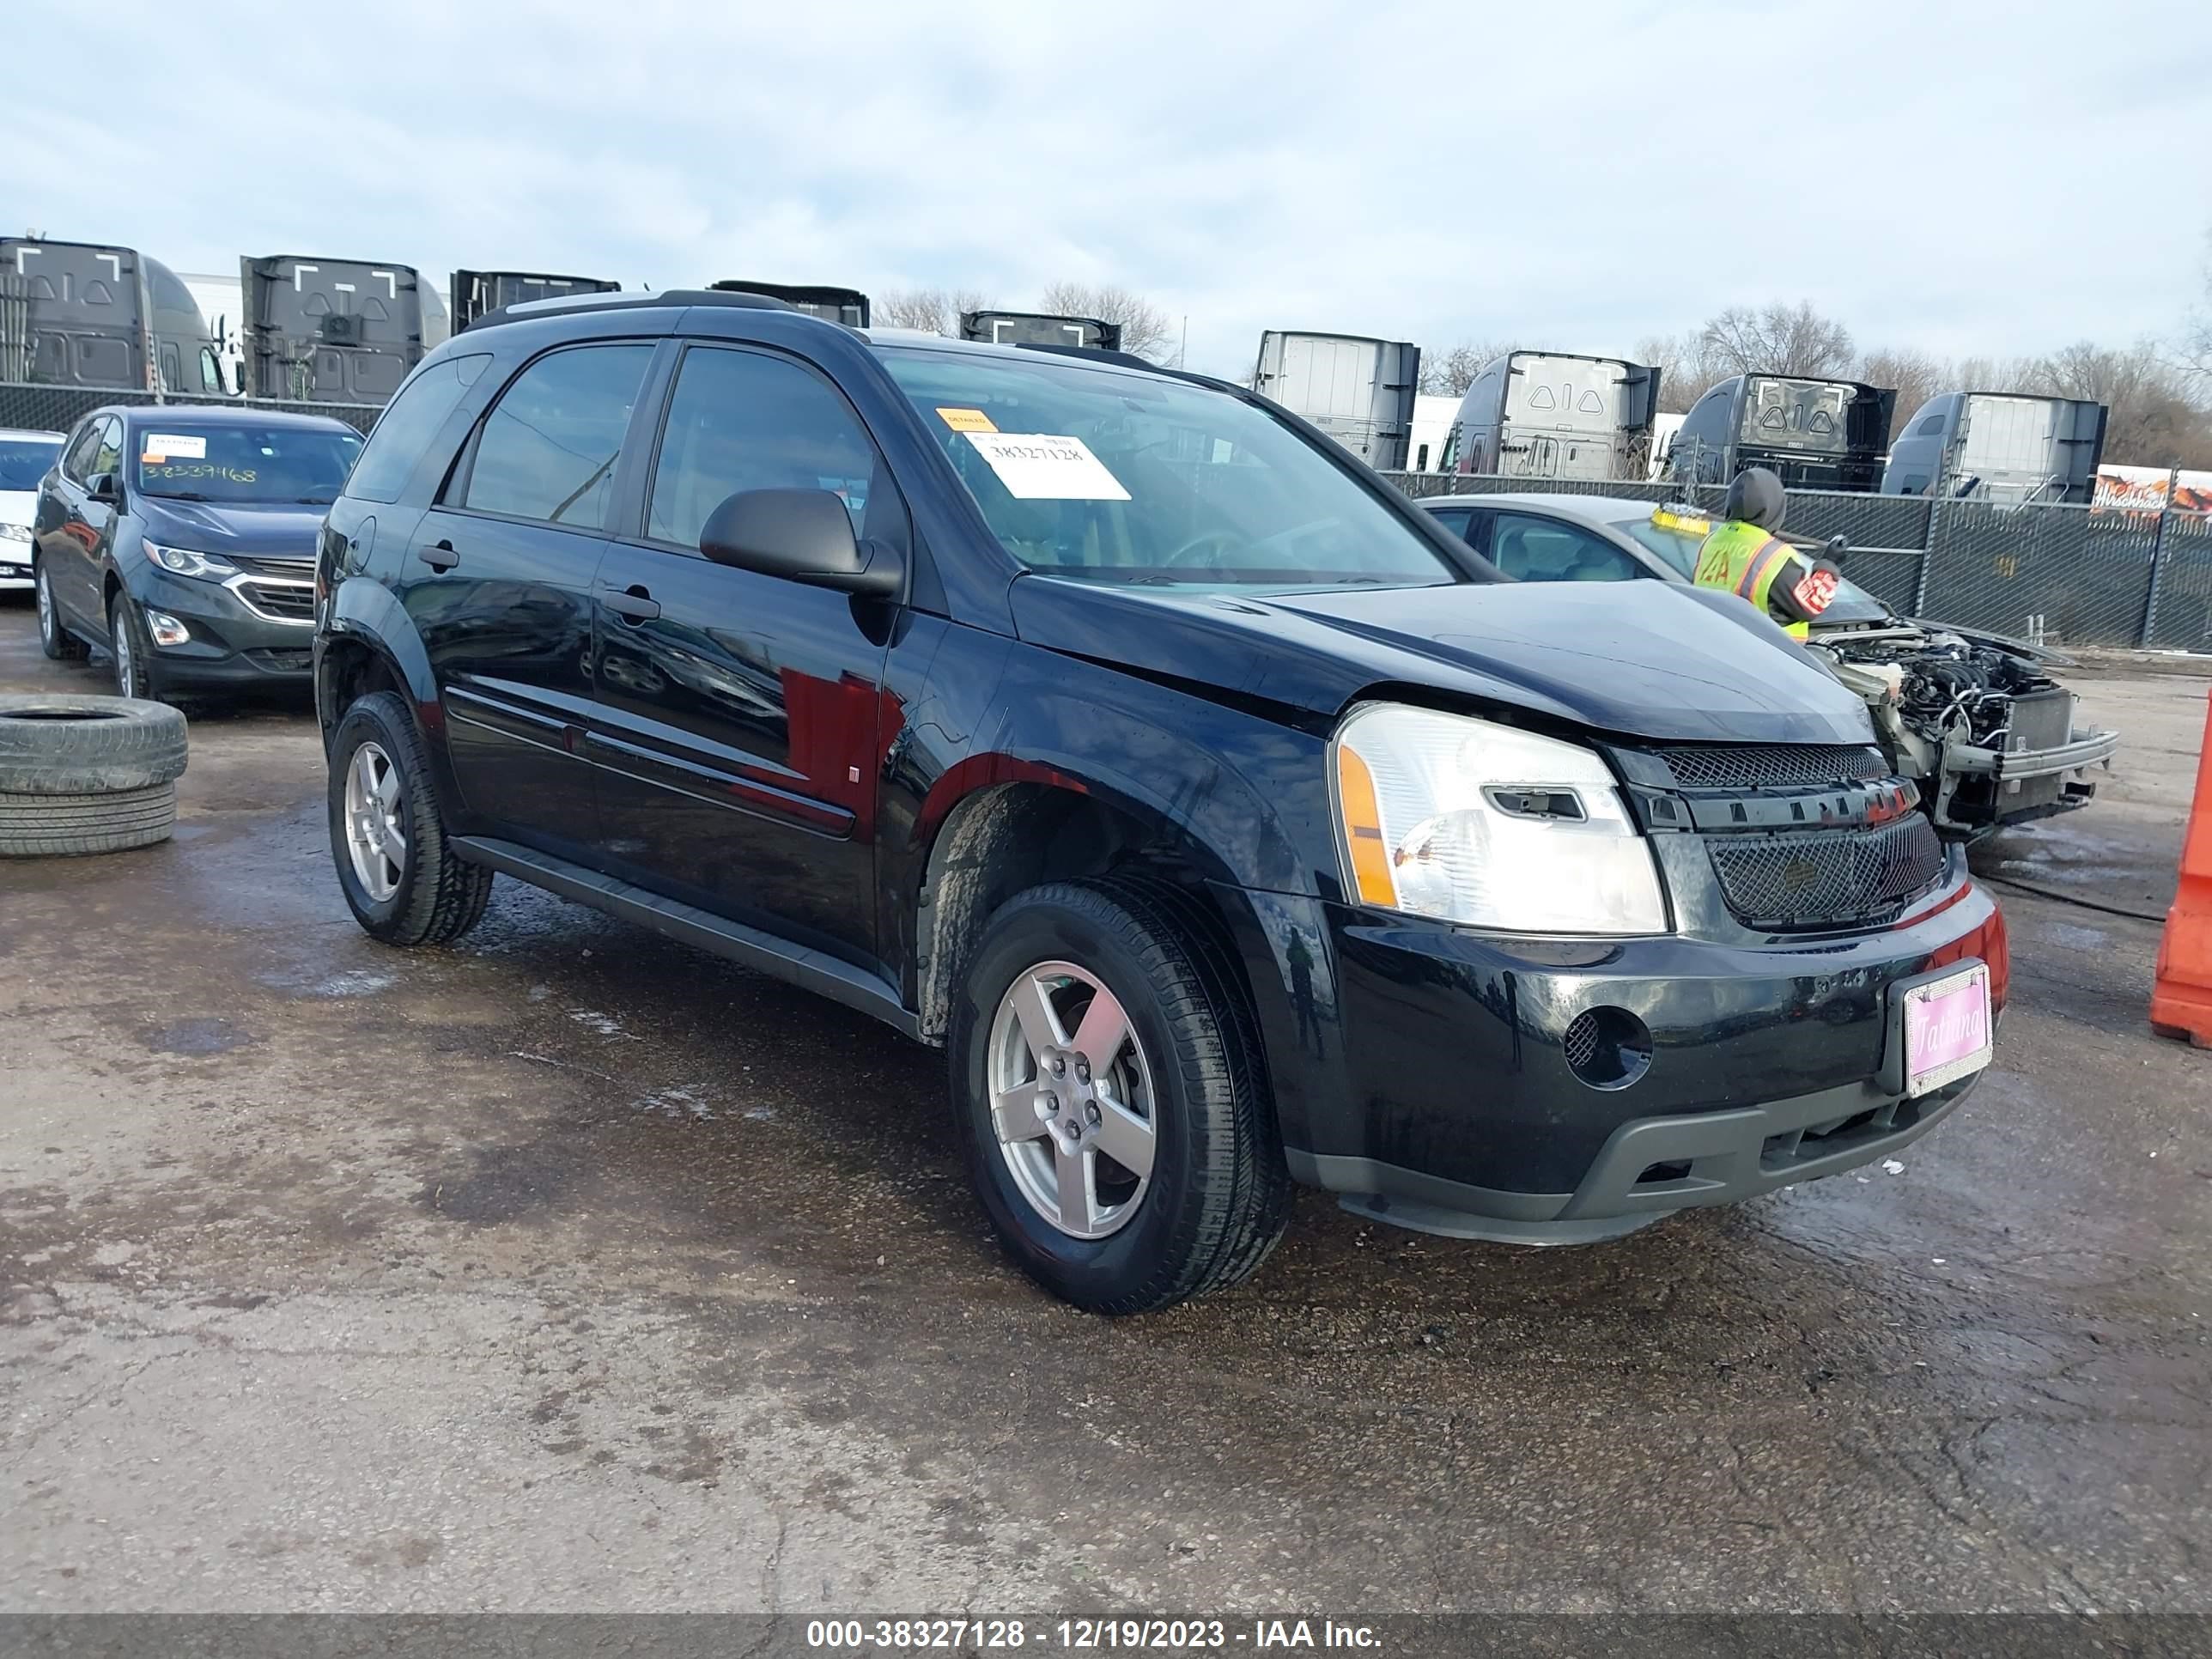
(1744, 556)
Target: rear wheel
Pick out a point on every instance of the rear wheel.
(1109, 1103)
(401, 877)
(56, 641)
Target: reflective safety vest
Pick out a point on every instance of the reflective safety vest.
(1743, 560)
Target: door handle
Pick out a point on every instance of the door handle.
(633, 604)
(439, 557)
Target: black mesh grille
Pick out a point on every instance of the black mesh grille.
(1704, 766)
(1827, 877)
(284, 658)
(1581, 1042)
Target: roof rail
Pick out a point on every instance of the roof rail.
(1093, 355)
(530, 310)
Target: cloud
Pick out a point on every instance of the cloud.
(1577, 177)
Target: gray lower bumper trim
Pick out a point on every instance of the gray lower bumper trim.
(1728, 1155)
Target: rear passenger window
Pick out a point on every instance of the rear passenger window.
(742, 420)
(550, 445)
(1532, 549)
(408, 424)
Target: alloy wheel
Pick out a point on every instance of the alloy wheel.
(126, 663)
(1072, 1100)
(49, 625)
(376, 838)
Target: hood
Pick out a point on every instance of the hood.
(19, 507)
(250, 530)
(1640, 659)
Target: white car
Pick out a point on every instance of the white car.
(24, 458)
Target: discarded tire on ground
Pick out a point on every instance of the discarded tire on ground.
(87, 775)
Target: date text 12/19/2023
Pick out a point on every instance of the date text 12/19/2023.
(1075, 1635)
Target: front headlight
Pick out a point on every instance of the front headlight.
(184, 561)
(15, 532)
(1468, 821)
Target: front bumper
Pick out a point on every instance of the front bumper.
(1425, 1074)
(14, 564)
(234, 646)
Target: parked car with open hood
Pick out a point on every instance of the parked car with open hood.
(182, 539)
(1975, 720)
(1227, 821)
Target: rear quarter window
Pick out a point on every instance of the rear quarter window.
(408, 424)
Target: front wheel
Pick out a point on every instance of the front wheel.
(402, 879)
(132, 649)
(1109, 1096)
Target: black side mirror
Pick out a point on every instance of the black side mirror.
(803, 536)
(106, 487)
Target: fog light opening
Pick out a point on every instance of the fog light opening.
(165, 629)
(1607, 1048)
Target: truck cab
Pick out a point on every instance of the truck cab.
(1814, 434)
(1556, 414)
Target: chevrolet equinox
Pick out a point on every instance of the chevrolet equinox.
(1227, 821)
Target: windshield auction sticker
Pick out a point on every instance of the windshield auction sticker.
(1036, 466)
(159, 445)
(967, 420)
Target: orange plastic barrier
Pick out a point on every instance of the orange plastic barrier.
(2181, 997)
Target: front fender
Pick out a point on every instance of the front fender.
(1249, 794)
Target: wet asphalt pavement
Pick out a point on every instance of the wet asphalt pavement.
(571, 1268)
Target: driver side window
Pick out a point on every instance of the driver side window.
(77, 466)
(109, 458)
(1534, 549)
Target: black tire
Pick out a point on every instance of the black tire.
(1219, 1193)
(438, 896)
(56, 744)
(133, 669)
(45, 826)
(56, 641)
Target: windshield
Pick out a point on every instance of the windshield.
(1679, 547)
(24, 461)
(1105, 476)
(246, 463)
(1798, 414)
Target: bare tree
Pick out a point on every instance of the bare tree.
(935, 309)
(2160, 413)
(2196, 339)
(1777, 339)
(1914, 375)
(1146, 330)
(1449, 374)
(1687, 370)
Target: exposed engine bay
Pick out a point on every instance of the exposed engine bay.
(1987, 734)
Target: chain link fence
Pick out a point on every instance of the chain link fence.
(31, 407)
(2064, 573)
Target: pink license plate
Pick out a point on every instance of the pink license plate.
(1947, 1030)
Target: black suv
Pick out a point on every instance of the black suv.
(183, 539)
(1227, 820)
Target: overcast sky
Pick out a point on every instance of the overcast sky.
(1996, 179)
